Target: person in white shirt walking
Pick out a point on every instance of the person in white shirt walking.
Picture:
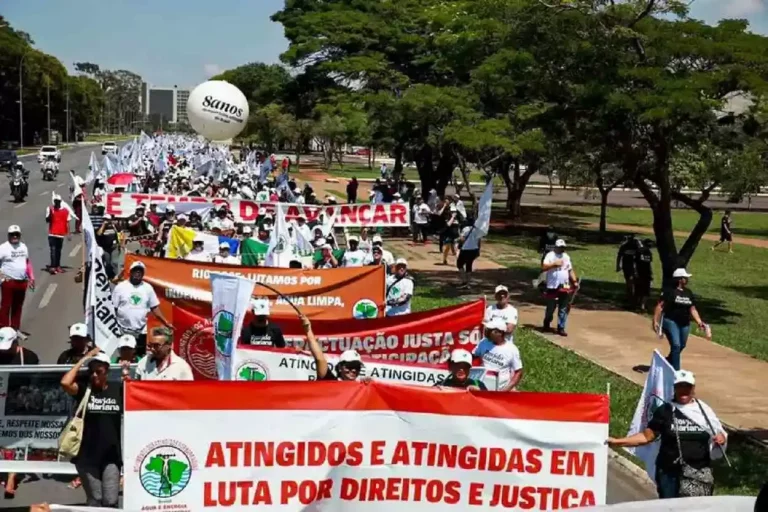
(224, 255)
(500, 355)
(421, 216)
(162, 363)
(503, 310)
(561, 282)
(399, 290)
(353, 256)
(134, 300)
(17, 275)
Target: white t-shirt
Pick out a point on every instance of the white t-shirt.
(13, 260)
(559, 276)
(132, 304)
(386, 257)
(508, 314)
(421, 213)
(397, 290)
(174, 368)
(198, 256)
(504, 358)
(225, 224)
(470, 242)
(229, 260)
(353, 258)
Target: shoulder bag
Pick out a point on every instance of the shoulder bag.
(72, 435)
(693, 481)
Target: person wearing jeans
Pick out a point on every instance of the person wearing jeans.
(58, 227)
(673, 314)
(561, 282)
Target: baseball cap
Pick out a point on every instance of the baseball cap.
(246, 230)
(107, 216)
(377, 238)
(401, 261)
(377, 249)
(350, 356)
(559, 242)
(461, 356)
(260, 307)
(78, 329)
(326, 246)
(501, 288)
(101, 357)
(14, 228)
(137, 264)
(224, 245)
(496, 323)
(7, 336)
(684, 377)
(126, 340)
(198, 239)
(182, 217)
(681, 272)
(353, 238)
(170, 208)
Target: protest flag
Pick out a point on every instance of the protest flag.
(231, 300)
(483, 220)
(281, 246)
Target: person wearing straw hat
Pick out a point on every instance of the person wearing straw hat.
(399, 290)
(673, 314)
(691, 436)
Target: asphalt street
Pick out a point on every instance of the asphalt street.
(56, 303)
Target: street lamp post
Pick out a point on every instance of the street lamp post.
(48, 95)
(67, 111)
(21, 103)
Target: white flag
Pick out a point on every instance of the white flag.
(231, 300)
(93, 169)
(483, 220)
(658, 389)
(281, 246)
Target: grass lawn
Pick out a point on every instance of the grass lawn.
(363, 172)
(549, 368)
(95, 137)
(746, 224)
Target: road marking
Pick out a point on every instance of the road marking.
(75, 250)
(47, 295)
(44, 193)
(19, 205)
(59, 185)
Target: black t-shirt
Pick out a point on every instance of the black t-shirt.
(694, 440)
(644, 263)
(330, 375)
(725, 225)
(69, 356)
(451, 382)
(16, 359)
(677, 305)
(627, 252)
(101, 429)
(269, 335)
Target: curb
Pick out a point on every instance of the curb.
(633, 469)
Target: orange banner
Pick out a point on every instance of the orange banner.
(328, 294)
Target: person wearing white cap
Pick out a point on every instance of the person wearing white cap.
(260, 331)
(460, 365)
(79, 345)
(327, 259)
(17, 276)
(348, 368)
(691, 437)
(399, 290)
(386, 255)
(134, 299)
(503, 310)
(11, 353)
(500, 355)
(673, 314)
(58, 219)
(126, 350)
(561, 282)
(198, 252)
(99, 458)
(224, 256)
(421, 216)
(353, 256)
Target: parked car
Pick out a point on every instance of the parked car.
(8, 159)
(108, 147)
(46, 151)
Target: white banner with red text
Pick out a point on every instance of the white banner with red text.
(122, 205)
(353, 447)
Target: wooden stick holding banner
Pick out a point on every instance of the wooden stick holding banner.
(575, 293)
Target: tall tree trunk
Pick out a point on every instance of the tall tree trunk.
(517, 186)
(370, 156)
(398, 170)
(425, 168)
(603, 211)
(444, 170)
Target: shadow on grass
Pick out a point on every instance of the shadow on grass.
(754, 292)
(750, 465)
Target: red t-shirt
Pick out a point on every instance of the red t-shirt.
(58, 221)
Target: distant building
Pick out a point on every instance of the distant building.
(167, 103)
(182, 95)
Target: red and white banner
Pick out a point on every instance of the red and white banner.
(352, 447)
(123, 205)
(425, 337)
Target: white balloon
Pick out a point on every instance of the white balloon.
(217, 110)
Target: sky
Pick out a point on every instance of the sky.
(184, 42)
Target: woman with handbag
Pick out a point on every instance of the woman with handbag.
(92, 437)
(691, 437)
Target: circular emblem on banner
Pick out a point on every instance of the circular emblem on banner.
(223, 327)
(196, 346)
(253, 371)
(364, 309)
(282, 244)
(165, 468)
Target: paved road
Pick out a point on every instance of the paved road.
(57, 303)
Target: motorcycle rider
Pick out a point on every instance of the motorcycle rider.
(51, 166)
(20, 175)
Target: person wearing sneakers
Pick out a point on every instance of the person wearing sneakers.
(561, 280)
(17, 276)
(500, 355)
(79, 345)
(260, 331)
(134, 299)
(673, 314)
(347, 369)
(198, 252)
(353, 256)
(399, 290)
(57, 218)
(504, 311)
(459, 365)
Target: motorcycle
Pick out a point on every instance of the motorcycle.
(47, 174)
(18, 187)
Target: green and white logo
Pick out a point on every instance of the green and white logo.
(165, 468)
(135, 300)
(252, 371)
(223, 327)
(364, 309)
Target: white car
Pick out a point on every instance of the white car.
(46, 151)
(108, 147)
